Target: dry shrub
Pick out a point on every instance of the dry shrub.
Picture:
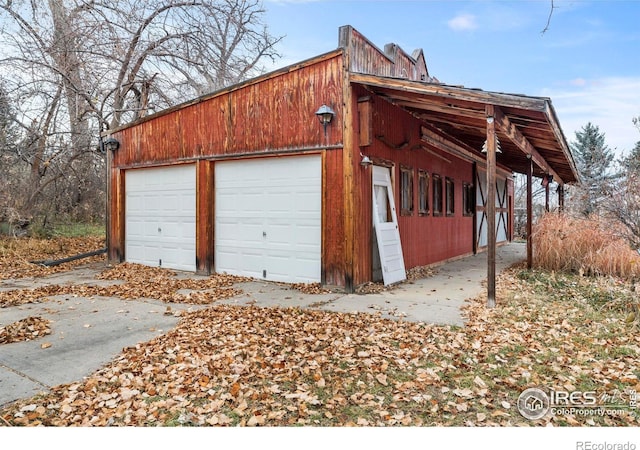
(590, 246)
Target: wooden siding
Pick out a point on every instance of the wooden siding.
(277, 113)
(333, 224)
(366, 58)
(397, 142)
(274, 115)
(205, 220)
(115, 250)
(405, 66)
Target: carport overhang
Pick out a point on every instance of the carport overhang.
(461, 120)
(527, 127)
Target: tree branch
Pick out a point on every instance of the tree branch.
(546, 27)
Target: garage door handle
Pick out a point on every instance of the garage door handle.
(159, 230)
(264, 234)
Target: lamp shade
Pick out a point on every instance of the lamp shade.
(325, 114)
(111, 144)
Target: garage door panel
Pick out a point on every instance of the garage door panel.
(279, 268)
(246, 262)
(245, 203)
(272, 206)
(160, 216)
(301, 234)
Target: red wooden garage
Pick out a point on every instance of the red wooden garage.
(249, 181)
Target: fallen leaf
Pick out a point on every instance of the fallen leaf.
(382, 379)
(479, 382)
(256, 420)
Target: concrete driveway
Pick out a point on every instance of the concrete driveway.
(88, 333)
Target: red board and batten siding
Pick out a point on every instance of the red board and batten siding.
(425, 239)
(270, 116)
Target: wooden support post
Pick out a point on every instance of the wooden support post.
(561, 197)
(546, 197)
(205, 222)
(109, 196)
(491, 207)
(116, 222)
(529, 214)
(349, 148)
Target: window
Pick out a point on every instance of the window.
(406, 191)
(382, 202)
(423, 190)
(450, 194)
(437, 195)
(468, 198)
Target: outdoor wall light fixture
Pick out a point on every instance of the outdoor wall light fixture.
(498, 148)
(366, 161)
(111, 144)
(325, 115)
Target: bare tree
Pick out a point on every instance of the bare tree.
(79, 67)
(520, 203)
(625, 207)
(624, 202)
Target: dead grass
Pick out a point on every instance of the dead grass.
(585, 246)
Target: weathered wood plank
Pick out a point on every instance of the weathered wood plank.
(348, 168)
(522, 143)
(453, 92)
(491, 207)
(277, 114)
(364, 116)
(205, 207)
(530, 215)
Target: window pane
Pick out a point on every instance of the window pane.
(450, 196)
(406, 191)
(423, 193)
(468, 199)
(382, 204)
(437, 195)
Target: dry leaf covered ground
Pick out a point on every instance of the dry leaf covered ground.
(16, 254)
(26, 329)
(230, 365)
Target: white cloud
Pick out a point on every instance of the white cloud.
(610, 103)
(463, 22)
(578, 82)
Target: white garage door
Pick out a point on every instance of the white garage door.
(268, 216)
(160, 217)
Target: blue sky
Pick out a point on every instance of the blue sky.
(587, 62)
